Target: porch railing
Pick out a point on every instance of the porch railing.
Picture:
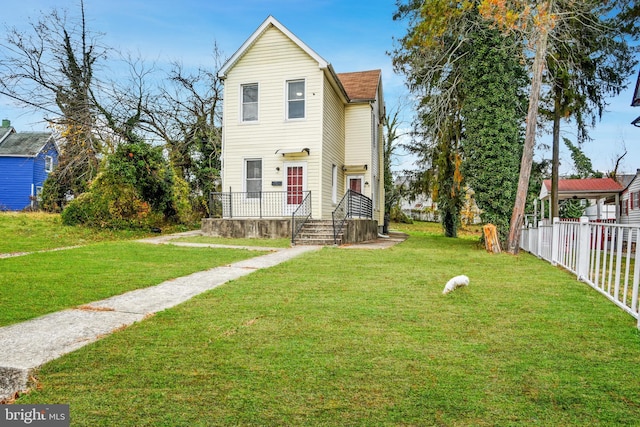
(265, 204)
(352, 205)
(300, 216)
(603, 255)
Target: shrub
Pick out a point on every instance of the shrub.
(137, 188)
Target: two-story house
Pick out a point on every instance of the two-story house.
(299, 139)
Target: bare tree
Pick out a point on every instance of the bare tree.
(51, 68)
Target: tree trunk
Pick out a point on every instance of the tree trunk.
(555, 162)
(517, 217)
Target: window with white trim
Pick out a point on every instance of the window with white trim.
(295, 99)
(253, 178)
(334, 184)
(48, 164)
(249, 102)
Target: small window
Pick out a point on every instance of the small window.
(295, 99)
(253, 181)
(250, 102)
(48, 164)
(334, 184)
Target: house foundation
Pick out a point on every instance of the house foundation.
(354, 230)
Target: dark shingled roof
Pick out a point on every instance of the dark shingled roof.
(360, 85)
(26, 144)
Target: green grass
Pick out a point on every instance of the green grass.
(356, 337)
(46, 282)
(271, 243)
(27, 232)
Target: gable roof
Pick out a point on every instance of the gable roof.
(269, 22)
(587, 188)
(273, 22)
(26, 144)
(361, 85)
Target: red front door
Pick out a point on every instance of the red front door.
(355, 184)
(295, 184)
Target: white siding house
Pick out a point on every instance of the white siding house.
(292, 127)
(630, 202)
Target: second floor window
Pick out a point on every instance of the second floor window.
(295, 99)
(48, 164)
(250, 102)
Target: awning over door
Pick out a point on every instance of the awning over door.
(293, 151)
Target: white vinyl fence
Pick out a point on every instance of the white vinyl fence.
(600, 254)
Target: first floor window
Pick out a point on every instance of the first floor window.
(334, 184)
(253, 183)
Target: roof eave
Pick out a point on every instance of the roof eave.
(335, 82)
(636, 95)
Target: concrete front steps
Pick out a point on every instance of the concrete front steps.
(317, 232)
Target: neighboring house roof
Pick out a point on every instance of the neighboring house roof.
(587, 188)
(26, 144)
(636, 95)
(361, 85)
(625, 180)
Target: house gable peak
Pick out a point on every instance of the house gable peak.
(268, 23)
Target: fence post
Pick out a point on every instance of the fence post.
(555, 240)
(538, 251)
(584, 248)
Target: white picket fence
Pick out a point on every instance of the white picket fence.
(599, 254)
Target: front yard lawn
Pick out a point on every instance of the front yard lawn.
(36, 231)
(45, 282)
(354, 337)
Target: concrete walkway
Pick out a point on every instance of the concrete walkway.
(25, 346)
(28, 345)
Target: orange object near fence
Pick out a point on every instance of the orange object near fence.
(491, 240)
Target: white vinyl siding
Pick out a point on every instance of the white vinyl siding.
(272, 61)
(630, 212)
(358, 139)
(249, 93)
(333, 149)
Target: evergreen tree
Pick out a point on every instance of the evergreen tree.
(493, 112)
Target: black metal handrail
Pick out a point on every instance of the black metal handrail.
(352, 205)
(300, 216)
(264, 204)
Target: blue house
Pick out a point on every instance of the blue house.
(26, 159)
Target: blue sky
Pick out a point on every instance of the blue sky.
(352, 35)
